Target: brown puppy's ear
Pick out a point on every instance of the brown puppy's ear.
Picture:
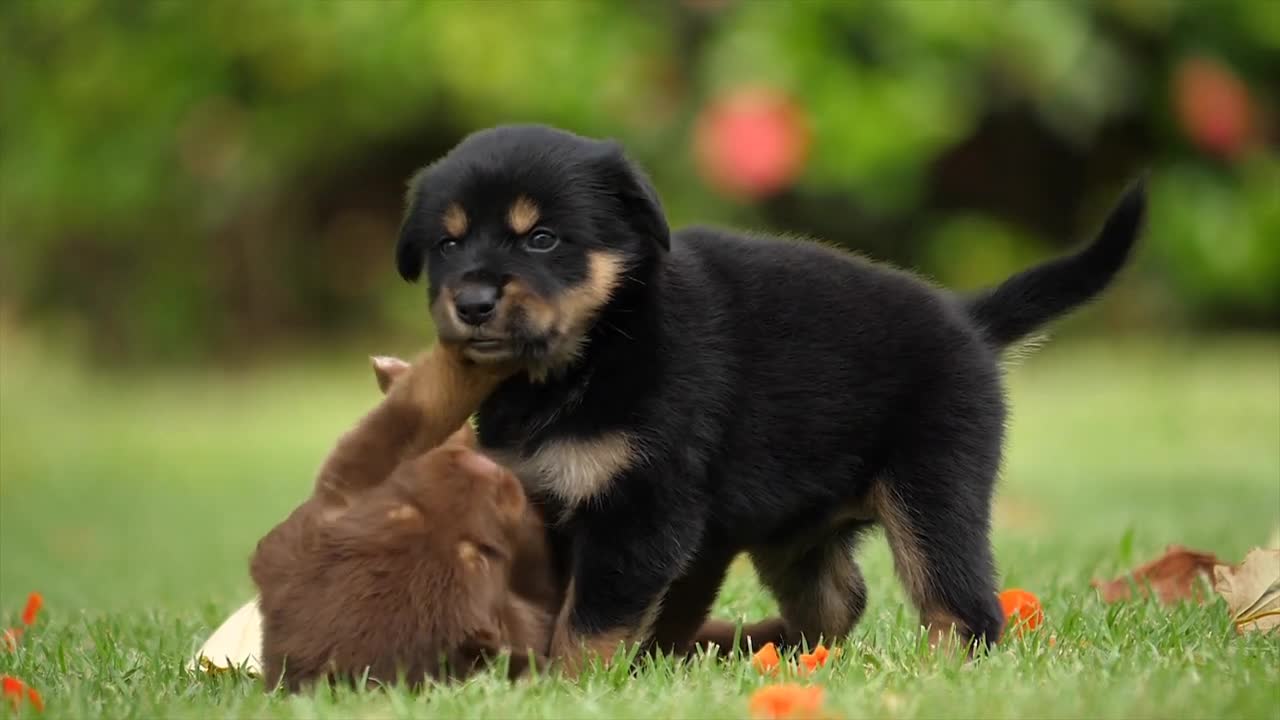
(509, 497)
(638, 197)
(386, 369)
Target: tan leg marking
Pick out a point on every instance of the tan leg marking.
(911, 565)
(908, 559)
(820, 590)
(574, 651)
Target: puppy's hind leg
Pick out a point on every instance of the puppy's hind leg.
(936, 516)
(818, 585)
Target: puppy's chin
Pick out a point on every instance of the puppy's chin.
(491, 351)
(542, 355)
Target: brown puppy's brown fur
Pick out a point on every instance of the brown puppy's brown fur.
(406, 566)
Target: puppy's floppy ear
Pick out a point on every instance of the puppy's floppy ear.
(409, 247)
(638, 196)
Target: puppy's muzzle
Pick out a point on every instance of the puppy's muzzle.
(476, 303)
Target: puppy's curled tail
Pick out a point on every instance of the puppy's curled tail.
(1018, 306)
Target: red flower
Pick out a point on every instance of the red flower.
(15, 691)
(34, 602)
(1021, 610)
(9, 638)
(751, 142)
(766, 659)
(776, 702)
(1214, 106)
(814, 660)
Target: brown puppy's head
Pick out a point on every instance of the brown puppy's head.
(412, 578)
(526, 234)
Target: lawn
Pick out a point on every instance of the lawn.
(132, 504)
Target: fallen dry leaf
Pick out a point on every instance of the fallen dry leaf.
(1173, 577)
(1252, 590)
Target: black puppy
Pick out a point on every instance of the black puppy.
(697, 394)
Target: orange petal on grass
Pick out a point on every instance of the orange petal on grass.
(15, 691)
(766, 659)
(1022, 609)
(790, 701)
(34, 602)
(814, 660)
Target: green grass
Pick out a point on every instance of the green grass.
(132, 503)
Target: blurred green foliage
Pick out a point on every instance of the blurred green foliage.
(181, 179)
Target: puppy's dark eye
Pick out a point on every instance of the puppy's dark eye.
(446, 245)
(493, 552)
(541, 240)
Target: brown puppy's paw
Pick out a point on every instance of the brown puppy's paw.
(386, 369)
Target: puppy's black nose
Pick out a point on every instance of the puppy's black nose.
(476, 303)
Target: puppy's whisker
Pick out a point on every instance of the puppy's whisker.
(617, 329)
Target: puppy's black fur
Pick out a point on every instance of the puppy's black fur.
(697, 394)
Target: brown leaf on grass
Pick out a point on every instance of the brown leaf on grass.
(1252, 590)
(1173, 577)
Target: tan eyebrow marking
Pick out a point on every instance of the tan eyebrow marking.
(523, 215)
(455, 220)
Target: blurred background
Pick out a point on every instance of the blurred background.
(199, 203)
(204, 181)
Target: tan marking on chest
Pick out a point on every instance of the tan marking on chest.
(577, 470)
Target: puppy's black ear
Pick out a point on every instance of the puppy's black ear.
(409, 247)
(638, 197)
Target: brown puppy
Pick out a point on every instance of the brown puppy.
(440, 564)
(405, 567)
